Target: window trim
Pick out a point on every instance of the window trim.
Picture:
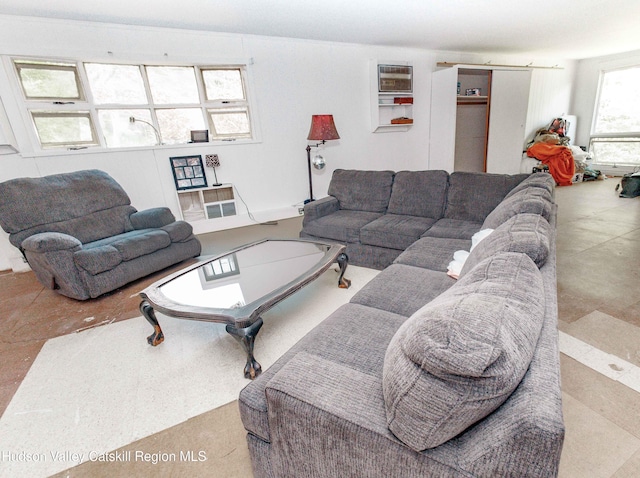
(26, 106)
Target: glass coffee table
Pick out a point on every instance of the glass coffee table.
(235, 288)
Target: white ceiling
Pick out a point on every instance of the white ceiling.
(571, 29)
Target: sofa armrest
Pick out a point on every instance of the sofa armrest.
(322, 207)
(50, 241)
(152, 218)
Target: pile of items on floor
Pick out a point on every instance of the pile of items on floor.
(565, 162)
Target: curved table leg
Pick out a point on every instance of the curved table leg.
(247, 337)
(343, 261)
(157, 337)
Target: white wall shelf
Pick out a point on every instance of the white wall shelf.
(384, 106)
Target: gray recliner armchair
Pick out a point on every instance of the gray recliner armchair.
(82, 237)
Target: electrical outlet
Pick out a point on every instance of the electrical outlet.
(301, 211)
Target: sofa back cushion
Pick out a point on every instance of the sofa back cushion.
(472, 196)
(529, 234)
(526, 201)
(356, 190)
(459, 357)
(88, 203)
(419, 193)
(535, 180)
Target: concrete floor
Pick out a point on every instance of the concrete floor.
(599, 307)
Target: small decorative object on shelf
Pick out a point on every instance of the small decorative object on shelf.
(473, 92)
(403, 100)
(200, 136)
(188, 172)
(402, 120)
(212, 161)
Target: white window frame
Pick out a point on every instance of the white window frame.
(596, 137)
(28, 106)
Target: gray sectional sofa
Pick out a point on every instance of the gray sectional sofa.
(421, 374)
(82, 237)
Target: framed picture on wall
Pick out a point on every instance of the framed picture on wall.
(188, 172)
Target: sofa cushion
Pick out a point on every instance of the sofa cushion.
(361, 190)
(141, 244)
(403, 289)
(178, 231)
(97, 259)
(343, 225)
(394, 231)
(453, 229)
(526, 201)
(459, 357)
(432, 252)
(536, 180)
(472, 196)
(419, 193)
(526, 233)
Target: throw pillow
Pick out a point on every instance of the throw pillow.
(529, 200)
(459, 357)
(526, 233)
(460, 257)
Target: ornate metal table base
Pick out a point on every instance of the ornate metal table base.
(343, 260)
(247, 337)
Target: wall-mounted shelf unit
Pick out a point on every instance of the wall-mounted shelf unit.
(391, 96)
(207, 203)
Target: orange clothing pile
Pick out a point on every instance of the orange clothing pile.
(558, 158)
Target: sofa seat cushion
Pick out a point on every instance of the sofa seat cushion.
(343, 226)
(403, 289)
(419, 193)
(361, 190)
(105, 254)
(433, 253)
(453, 229)
(459, 357)
(529, 234)
(527, 201)
(395, 231)
(353, 335)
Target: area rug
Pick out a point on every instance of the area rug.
(91, 392)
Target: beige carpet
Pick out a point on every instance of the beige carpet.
(104, 388)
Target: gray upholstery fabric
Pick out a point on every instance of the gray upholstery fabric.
(373, 257)
(535, 180)
(362, 190)
(82, 237)
(527, 233)
(403, 289)
(471, 196)
(152, 218)
(394, 231)
(459, 357)
(453, 228)
(419, 193)
(316, 209)
(343, 225)
(531, 200)
(434, 253)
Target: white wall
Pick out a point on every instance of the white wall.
(291, 80)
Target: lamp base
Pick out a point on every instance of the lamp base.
(307, 201)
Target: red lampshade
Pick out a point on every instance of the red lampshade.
(322, 128)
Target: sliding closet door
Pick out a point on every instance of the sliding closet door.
(508, 115)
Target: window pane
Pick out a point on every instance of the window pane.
(119, 84)
(176, 124)
(120, 132)
(64, 129)
(173, 85)
(223, 84)
(619, 151)
(227, 123)
(618, 108)
(49, 81)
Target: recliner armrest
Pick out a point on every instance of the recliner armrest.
(152, 218)
(50, 241)
(317, 209)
